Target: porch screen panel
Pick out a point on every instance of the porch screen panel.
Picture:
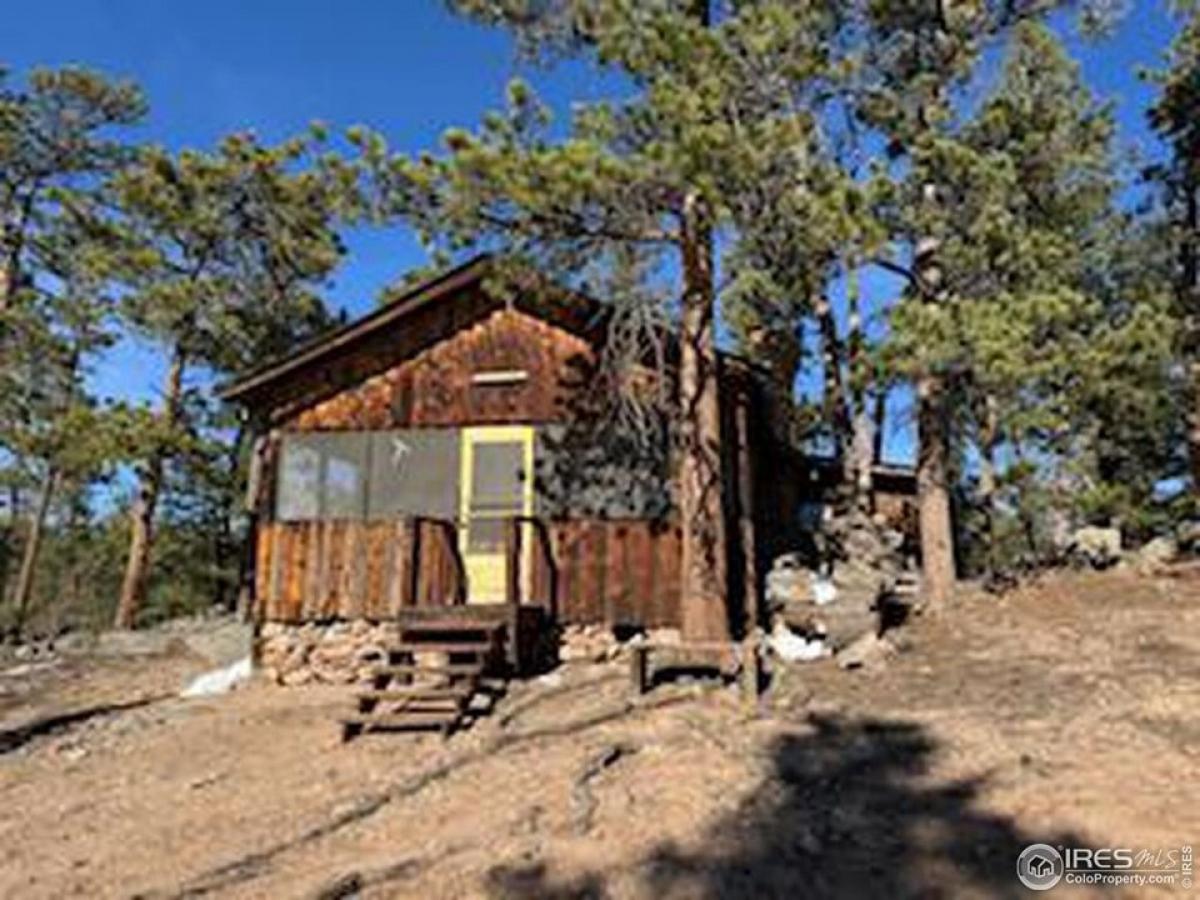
(298, 489)
(322, 476)
(345, 481)
(497, 492)
(414, 472)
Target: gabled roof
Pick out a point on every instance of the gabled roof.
(572, 309)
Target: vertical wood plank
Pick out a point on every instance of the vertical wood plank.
(415, 552)
(358, 571)
(272, 594)
(398, 558)
(345, 598)
(321, 594)
(512, 562)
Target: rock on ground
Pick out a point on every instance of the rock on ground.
(864, 566)
(1095, 546)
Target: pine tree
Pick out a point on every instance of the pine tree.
(1176, 117)
(63, 436)
(223, 250)
(656, 174)
(917, 60)
(56, 145)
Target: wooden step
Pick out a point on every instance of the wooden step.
(455, 625)
(403, 721)
(413, 668)
(474, 613)
(419, 692)
(442, 646)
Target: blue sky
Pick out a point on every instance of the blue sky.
(407, 68)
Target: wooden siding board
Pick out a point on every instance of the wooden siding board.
(601, 571)
(435, 387)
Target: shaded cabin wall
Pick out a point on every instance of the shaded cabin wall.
(597, 564)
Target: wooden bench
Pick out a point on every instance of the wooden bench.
(730, 658)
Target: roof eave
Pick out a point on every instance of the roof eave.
(473, 270)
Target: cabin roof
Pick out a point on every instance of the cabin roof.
(571, 309)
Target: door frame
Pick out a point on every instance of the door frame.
(470, 436)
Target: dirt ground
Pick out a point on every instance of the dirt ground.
(1067, 713)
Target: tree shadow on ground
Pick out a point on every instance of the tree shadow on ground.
(849, 811)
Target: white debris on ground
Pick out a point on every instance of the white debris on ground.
(824, 591)
(219, 681)
(792, 647)
(838, 598)
(1154, 554)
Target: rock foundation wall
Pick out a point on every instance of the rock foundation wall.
(346, 652)
(330, 653)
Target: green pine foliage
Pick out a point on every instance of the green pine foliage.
(764, 151)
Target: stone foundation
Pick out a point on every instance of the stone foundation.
(322, 653)
(598, 643)
(347, 652)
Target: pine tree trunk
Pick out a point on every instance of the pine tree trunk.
(33, 547)
(705, 560)
(5, 278)
(832, 356)
(9, 276)
(988, 481)
(10, 539)
(262, 465)
(933, 494)
(933, 441)
(858, 461)
(1189, 296)
(145, 507)
(858, 469)
(1194, 434)
(877, 426)
(224, 545)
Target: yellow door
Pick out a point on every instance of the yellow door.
(496, 482)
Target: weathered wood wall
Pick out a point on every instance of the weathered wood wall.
(617, 571)
(309, 571)
(435, 387)
(581, 570)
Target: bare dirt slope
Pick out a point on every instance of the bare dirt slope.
(1067, 713)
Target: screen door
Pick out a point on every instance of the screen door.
(497, 482)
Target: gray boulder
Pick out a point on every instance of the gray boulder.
(1155, 554)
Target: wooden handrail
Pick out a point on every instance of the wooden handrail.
(449, 529)
(514, 558)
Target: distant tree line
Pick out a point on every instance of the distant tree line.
(767, 156)
(213, 258)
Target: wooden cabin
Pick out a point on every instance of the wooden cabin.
(442, 455)
(439, 454)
